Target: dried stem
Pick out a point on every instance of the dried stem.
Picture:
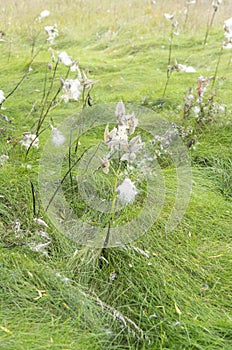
(70, 160)
(169, 71)
(209, 25)
(63, 179)
(20, 81)
(33, 198)
(112, 211)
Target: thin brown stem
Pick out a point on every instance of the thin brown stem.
(169, 71)
(209, 25)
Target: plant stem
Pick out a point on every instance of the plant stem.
(216, 68)
(186, 17)
(37, 135)
(64, 177)
(42, 114)
(169, 71)
(112, 211)
(20, 81)
(213, 83)
(33, 197)
(209, 25)
(70, 160)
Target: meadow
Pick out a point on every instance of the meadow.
(72, 74)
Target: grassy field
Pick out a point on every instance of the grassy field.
(165, 290)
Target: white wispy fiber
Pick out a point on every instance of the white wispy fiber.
(190, 2)
(127, 191)
(71, 89)
(43, 14)
(131, 148)
(29, 139)
(40, 222)
(120, 109)
(168, 16)
(52, 33)
(65, 58)
(2, 97)
(40, 247)
(57, 137)
(227, 43)
(183, 68)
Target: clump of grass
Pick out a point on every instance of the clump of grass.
(164, 290)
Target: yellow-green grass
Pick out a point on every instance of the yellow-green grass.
(180, 296)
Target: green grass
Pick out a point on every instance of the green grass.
(172, 289)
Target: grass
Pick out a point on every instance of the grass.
(172, 289)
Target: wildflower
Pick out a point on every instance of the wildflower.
(3, 159)
(188, 101)
(29, 139)
(84, 80)
(131, 148)
(57, 137)
(117, 138)
(72, 89)
(105, 164)
(132, 123)
(174, 23)
(107, 134)
(202, 83)
(129, 121)
(120, 109)
(74, 66)
(64, 58)
(175, 26)
(42, 15)
(52, 33)
(127, 191)
(2, 97)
